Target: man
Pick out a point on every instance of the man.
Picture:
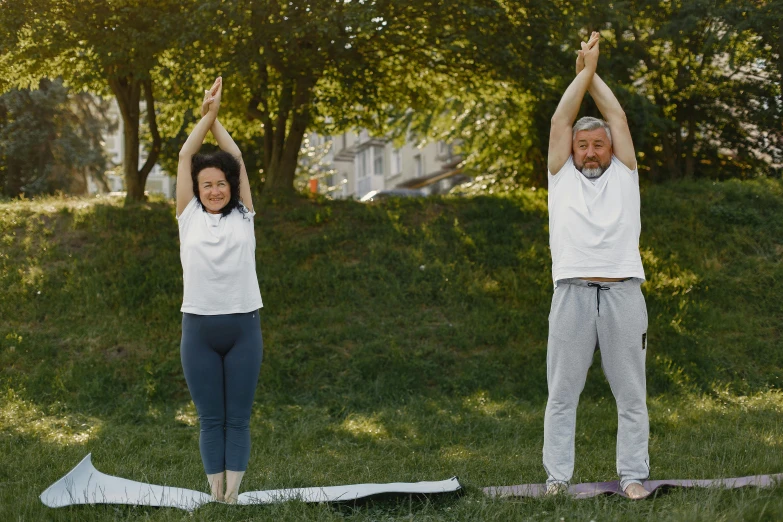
(594, 226)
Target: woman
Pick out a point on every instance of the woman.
(221, 347)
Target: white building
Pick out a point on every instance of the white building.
(158, 182)
(362, 164)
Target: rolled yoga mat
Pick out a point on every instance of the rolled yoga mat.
(86, 485)
(592, 489)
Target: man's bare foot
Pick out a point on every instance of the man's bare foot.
(636, 491)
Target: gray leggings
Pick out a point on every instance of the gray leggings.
(221, 356)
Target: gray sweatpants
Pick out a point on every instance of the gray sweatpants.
(612, 317)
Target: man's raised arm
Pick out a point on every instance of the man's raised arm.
(613, 113)
(560, 133)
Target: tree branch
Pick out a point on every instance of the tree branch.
(283, 110)
(152, 158)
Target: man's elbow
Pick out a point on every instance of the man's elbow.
(558, 120)
(560, 127)
(617, 116)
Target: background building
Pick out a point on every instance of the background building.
(360, 163)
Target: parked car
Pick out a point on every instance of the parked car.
(377, 195)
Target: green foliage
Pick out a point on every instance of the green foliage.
(708, 85)
(330, 66)
(50, 140)
(106, 46)
(699, 81)
(89, 42)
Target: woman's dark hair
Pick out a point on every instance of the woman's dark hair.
(224, 162)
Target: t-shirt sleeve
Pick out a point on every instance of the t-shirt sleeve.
(246, 211)
(187, 214)
(554, 179)
(622, 168)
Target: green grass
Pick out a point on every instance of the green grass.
(404, 341)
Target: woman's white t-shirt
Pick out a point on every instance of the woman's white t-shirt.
(594, 225)
(218, 255)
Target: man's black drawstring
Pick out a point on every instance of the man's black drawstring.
(598, 289)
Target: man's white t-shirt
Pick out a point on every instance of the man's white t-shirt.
(218, 255)
(594, 226)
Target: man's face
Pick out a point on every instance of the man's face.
(592, 152)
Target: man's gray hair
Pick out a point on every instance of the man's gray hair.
(589, 123)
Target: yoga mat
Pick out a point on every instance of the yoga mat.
(86, 485)
(592, 489)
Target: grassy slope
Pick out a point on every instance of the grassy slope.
(403, 341)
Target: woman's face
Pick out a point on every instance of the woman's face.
(213, 189)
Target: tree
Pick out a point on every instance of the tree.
(102, 45)
(699, 80)
(708, 95)
(764, 18)
(328, 66)
(50, 140)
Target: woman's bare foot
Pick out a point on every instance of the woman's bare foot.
(233, 479)
(216, 486)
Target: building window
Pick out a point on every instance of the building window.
(364, 185)
(396, 162)
(418, 166)
(362, 162)
(154, 186)
(377, 160)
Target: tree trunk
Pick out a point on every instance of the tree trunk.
(127, 90)
(670, 154)
(780, 71)
(690, 145)
(780, 48)
(152, 156)
(282, 142)
(668, 137)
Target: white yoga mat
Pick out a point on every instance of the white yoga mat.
(86, 485)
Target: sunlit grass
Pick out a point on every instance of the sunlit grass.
(187, 415)
(25, 419)
(363, 426)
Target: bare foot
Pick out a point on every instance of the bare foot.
(636, 491)
(233, 479)
(216, 486)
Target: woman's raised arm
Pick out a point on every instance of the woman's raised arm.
(193, 144)
(227, 144)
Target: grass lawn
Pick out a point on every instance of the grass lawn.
(403, 341)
